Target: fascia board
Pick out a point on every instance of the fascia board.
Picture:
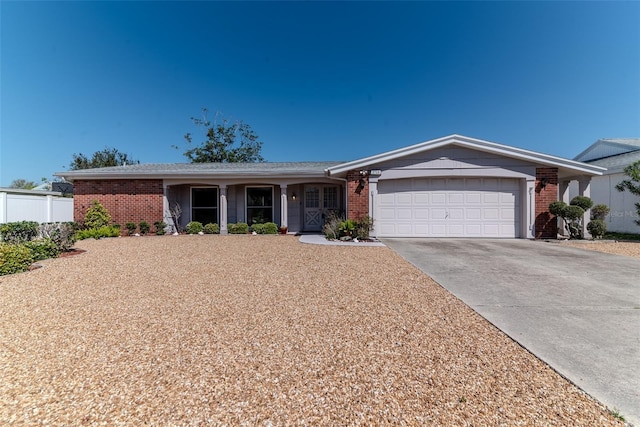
(188, 175)
(476, 144)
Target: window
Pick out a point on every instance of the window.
(204, 204)
(330, 198)
(259, 205)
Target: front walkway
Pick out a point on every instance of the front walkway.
(319, 239)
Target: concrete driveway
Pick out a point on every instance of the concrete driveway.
(578, 310)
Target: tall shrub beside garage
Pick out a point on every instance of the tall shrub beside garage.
(572, 214)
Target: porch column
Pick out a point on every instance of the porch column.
(373, 199)
(223, 209)
(563, 195)
(284, 220)
(584, 189)
(166, 208)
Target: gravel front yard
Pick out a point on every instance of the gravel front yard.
(260, 330)
(631, 249)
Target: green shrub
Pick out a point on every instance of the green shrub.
(238, 228)
(98, 233)
(347, 227)
(363, 227)
(42, 249)
(63, 234)
(144, 227)
(583, 202)
(131, 228)
(597, 228)
(258, 228)
(212, 228)
(194, 227)
(270, 228)
(600, 211)
(18, 232)
(266, 228)
(96, 216)
(160, 226)
(14, 258)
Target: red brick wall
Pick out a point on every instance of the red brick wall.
(357, 196)
(546, 225)
(126, 200)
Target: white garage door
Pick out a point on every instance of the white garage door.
(448, 207)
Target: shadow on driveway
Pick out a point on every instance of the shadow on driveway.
(578, 310)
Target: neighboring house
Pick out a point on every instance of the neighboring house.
(453, 186)
(614, 155)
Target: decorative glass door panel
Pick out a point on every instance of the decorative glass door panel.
(318, 200)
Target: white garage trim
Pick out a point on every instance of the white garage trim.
(449, 207)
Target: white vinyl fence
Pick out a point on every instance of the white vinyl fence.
(40, 206)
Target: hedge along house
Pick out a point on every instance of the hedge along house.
(453, 186)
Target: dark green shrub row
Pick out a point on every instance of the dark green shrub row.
(14, 258)
(212, 228)
(238, 228)
(266, 228)
(18, 232)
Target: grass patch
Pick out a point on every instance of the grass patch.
(622, 236)
(615, 413)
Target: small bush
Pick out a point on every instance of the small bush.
(238, 228)
(160, 226)
(96, 216)
(14, 258)
(331, 227)
(363, 227)
(597, 228)
(583, 202)
(42, 249)
(212, 228)
(270, 228)
(194, 227)
(99, 233)
(144, 227)
(18, 232)
(600, 211)
(131, 228)
(258, 228)
(347, 227)
(63, 234)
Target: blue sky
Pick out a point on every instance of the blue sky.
(316, 81)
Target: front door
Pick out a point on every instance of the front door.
(318, 200)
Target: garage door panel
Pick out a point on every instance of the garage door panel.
(448, 207)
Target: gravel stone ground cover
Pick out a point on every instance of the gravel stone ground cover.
(260, 330)
(631, 249)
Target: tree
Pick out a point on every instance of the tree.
(572, 214)
(220, 143)
(22, 184)
(101, 159)
(632, 184)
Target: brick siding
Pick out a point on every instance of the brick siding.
(126, 200)
(546, 225)
(357, 196)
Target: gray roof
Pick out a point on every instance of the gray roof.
(617, 163)
(608, 147)
(203, 170)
